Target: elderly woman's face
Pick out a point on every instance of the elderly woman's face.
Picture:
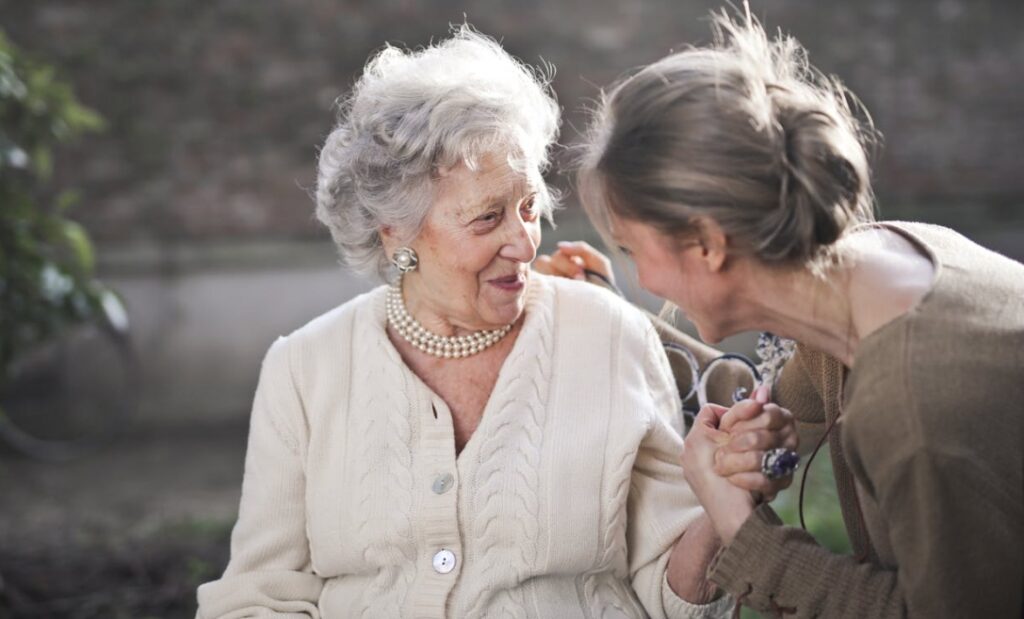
(475, 247)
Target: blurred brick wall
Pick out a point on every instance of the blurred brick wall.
(216, 107)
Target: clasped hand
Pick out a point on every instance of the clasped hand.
(723, 455)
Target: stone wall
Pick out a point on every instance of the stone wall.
(216, 108)
(198, 190)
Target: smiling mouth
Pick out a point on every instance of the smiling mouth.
(513, 281)
(508, 279)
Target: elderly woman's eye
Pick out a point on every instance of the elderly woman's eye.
(625, 251)
(489, 217)
(530, 209)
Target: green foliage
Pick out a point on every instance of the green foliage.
(46, 260)
(822, 514)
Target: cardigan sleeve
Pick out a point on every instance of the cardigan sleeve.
(660, 503)
(768, 563)
(769, 567)
(270, 573)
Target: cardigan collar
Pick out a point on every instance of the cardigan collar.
(523, 376)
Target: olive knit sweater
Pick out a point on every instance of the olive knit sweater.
(927, 456)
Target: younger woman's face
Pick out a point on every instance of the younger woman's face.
(677, 271)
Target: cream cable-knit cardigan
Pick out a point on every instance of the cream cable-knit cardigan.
(564, 504)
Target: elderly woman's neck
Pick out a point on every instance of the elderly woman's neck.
(433, 310)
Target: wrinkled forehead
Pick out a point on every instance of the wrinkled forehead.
(490, 178)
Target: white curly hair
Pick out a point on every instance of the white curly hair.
(414, 112)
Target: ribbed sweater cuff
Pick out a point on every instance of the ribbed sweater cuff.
(735, 567)
(678, 608)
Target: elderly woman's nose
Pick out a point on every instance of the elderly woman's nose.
(520, 244)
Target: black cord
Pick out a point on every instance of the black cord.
(605, 280)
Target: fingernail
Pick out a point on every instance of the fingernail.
(564, 244)
(762, 394)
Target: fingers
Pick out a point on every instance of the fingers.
(743, 470)
(756, 482)
(762, 394)
(543, 265)
(749, 408)
(754, 427)
(729, 463)
(568, 265)
(710, 415)
(774, 417)
(743, 453)
(592, 258)
(742, 411)
(570, 260)
(559, 265)
(763, 440)
(705, 429)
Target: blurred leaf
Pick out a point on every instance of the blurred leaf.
(81, 248)
(83, 119)
(42, 162)
(113, 308)
(66, 200)
(46, 260)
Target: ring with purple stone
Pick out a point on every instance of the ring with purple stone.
(780, 462)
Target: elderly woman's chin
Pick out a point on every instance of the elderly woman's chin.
(504, 297)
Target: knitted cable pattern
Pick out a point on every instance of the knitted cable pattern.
(506, 502)
(386, 483)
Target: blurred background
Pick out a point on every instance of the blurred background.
(188, 160)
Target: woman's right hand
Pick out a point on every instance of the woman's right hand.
(571, 259)
(727, 505)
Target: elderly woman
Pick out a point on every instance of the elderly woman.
(736, 179)
(474, 439)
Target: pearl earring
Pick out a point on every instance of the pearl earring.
(405, 259)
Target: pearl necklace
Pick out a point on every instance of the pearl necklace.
(446, 347)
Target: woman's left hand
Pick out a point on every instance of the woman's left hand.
(754, 427)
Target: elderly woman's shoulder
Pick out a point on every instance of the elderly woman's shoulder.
(579, 300)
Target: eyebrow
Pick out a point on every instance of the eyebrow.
(497, 200)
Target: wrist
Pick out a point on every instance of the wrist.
(686, 572)
(729, 521)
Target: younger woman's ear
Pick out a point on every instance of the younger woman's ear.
(714, 243)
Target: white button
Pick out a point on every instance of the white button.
(444, 561)
(443, 483)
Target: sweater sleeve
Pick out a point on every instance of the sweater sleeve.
(775, 568)
(269, 574)
(921, 500)
(661, 504)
